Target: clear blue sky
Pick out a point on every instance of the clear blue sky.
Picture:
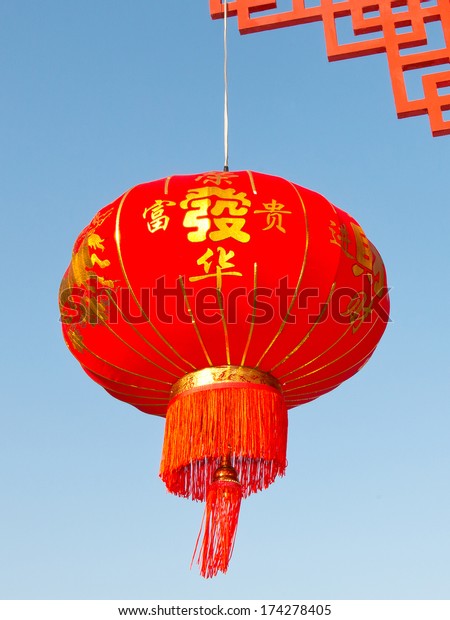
(97, 96)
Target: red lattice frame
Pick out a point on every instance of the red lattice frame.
(388, 17)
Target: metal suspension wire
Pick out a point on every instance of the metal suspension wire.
(225, 78)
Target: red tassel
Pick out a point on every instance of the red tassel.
(219, 525)
(226, 410)
(248, 421)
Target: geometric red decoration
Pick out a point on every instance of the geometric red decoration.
(219, 301)
(396, 26)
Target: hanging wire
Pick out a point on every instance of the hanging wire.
(225, 77)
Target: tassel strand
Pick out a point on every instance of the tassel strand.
(220, 521)
(248, 421)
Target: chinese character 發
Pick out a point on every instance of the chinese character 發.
(215, 213)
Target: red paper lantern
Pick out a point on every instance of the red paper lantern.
(219, 301)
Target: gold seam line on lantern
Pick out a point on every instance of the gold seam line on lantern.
(252, 323)
(320, 316)
(130, 385)
(337, 358)
(135, 374)
(308, 394)
(290, 404)
(217, 375)
(341, 372)
(141, 336)
(224, 325)
(295, 401)
(148, 405)
(282, 377)
(252, 181)
(194, 322)
(166, 394)
(128, 345)
(117, 237)
(300, 278)
(320, 354)
(311, 329)
(161, 399)
(298, 402)
(359, 362)
(290, 397)
(302, 342)
(166, 186)
(124, 273)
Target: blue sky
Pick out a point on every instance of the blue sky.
(99, 96)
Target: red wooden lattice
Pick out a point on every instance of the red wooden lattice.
(399, 28)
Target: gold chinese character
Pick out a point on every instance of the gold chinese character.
(379, 281)
(223, 263)
(229, 228)
(76, 338)
(206, 205)
(358, 309)
(274, 211)
(340, 238)
(216, 178)
(364, 254)
(158, 223)
(197, 218)
(203, 260)
(367, 258)
(158, 219)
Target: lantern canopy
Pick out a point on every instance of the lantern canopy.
(219, 301)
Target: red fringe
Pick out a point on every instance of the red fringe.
(219, 527)
(246, 421)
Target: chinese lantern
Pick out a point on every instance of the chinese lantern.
(219, 301)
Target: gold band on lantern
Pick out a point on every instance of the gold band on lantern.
(223, 374)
